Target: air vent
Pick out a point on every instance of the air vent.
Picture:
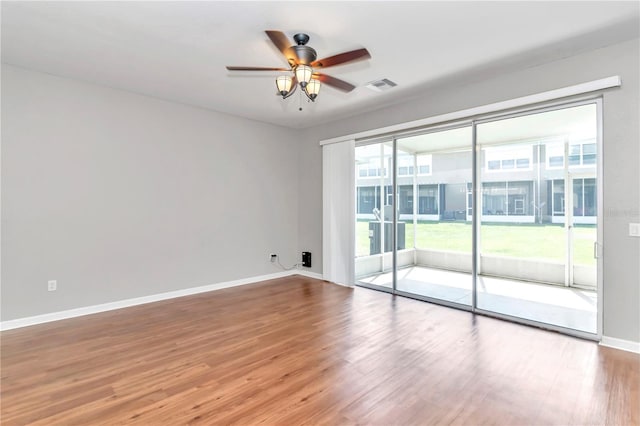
(381, 85)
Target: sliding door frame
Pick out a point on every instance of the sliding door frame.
(391, 290)
(553, 106)
(474, 121)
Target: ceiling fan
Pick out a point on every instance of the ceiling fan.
(303, 64)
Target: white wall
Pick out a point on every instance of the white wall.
(117, 195)
(621, 158)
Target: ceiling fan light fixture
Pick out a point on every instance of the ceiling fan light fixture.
(303, 74)
(283, 83)
(312, 89)
(302, 60)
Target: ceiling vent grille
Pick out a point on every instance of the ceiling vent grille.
(380, 85)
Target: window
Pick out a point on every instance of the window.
(590, 197)
(508, 164)
(580, 154)
(405, 199)
(428, 199)
(584, 197)
(500, 158)
(388, 195)
(556, 161)
(377, 172)
(424, 164)
(365, 171)
(368, 199)
(519, 196)
(406, 161)
(405, 171)
(494, 200)
(574, 155)
(589, 153)
(507, 198)
(371, 165)
(557, 199)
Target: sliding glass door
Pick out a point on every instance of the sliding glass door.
(434, 174)
(497, 215)
(374, 215)
(538, 222)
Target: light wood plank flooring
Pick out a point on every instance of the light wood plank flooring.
(301, 351)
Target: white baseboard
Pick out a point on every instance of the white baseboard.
(315, 275)
(87, 310)
(625, 345)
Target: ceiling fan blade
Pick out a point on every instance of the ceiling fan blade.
(257, 69)
(279, 39)
(342, 58)
(334, 82)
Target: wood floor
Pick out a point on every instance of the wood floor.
(300, 351)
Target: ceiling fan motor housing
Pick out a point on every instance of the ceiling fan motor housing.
(301, 54)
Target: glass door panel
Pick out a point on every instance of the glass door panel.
(584, 238)
(537, 229)
(374, 198)
(434, 171)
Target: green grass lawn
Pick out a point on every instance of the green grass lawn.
(524, 241)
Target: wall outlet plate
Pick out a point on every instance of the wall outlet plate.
(634, 229)
(52, 285)
(306, 259)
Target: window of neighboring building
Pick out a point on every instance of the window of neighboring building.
(405, 167)
(405, 171)
(507, 198)
(500, 158)
(368, 199)
(405, 199)
(580, 154)
(365, 171)
(584, 197)
(557, 199)
(371, 167)
(428, 199)
(424, 164)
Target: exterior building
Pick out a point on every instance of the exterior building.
(521, 183)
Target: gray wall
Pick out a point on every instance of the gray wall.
(117, 195)
(621, 158)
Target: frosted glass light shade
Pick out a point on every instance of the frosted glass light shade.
(283, 83)
(303, 74)
(313, 88)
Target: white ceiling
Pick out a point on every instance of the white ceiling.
(178, 50)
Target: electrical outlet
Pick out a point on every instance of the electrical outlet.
(274, 257)
(52, 285)
(634, 229)
(306, 259)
